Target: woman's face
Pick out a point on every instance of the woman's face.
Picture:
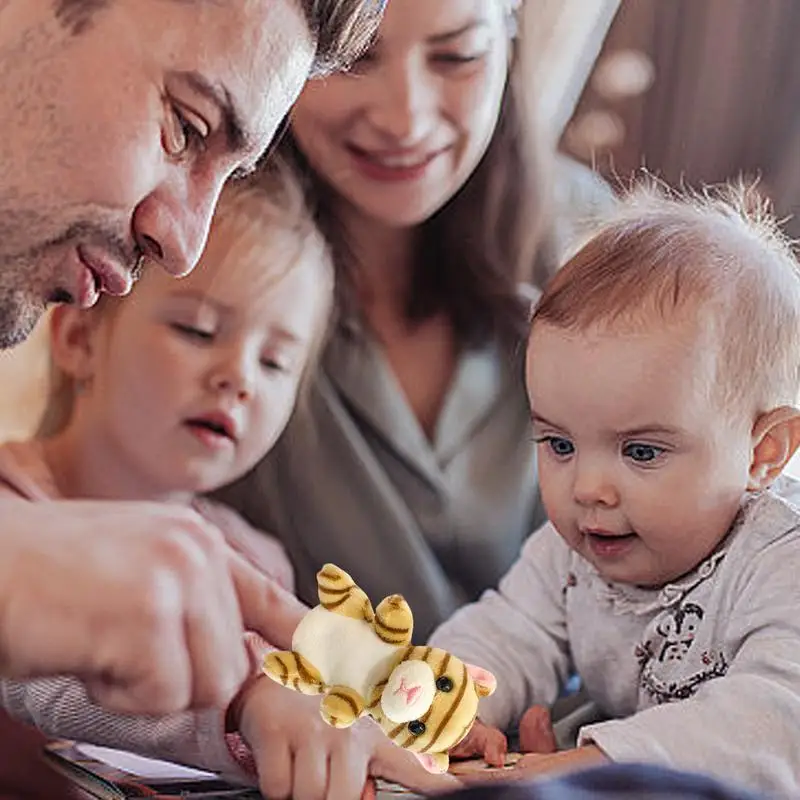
(401, 133)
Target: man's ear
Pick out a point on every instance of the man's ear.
(72, 341)
(776, 437)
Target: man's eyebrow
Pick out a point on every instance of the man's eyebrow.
(239, 139)
(441, 38)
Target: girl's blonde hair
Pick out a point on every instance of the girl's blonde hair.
(271, 202)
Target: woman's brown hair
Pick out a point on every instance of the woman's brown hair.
(493, 235)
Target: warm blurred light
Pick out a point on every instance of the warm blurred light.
(624, 73)
(595, 131)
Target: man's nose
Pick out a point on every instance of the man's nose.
(171, 224)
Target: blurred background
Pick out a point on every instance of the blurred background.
(694, 90)
(699, 91)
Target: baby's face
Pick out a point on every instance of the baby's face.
(195, 379)
(640, 473)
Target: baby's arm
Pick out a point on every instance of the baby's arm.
(743, 726)
(517, 632)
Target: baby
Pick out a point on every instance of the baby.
(170, 393)
(663, 366)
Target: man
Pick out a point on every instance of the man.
(121, 120)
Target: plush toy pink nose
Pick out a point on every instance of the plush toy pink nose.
(410, 692)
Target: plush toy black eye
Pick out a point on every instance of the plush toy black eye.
(444, 684)
(416, 727)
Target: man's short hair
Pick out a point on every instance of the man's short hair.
(341, 29)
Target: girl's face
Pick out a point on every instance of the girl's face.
(190, 382)
(401, 133)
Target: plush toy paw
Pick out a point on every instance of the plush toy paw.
(394, 622)
(341, 707)
(290, 669)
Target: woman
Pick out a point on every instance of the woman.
(411, 465)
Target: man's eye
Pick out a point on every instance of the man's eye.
(188, 135)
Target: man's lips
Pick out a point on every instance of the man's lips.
(110, 276)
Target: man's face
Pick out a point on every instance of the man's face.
(118, 139)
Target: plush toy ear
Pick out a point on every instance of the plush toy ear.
(485, 682)
(434, 762)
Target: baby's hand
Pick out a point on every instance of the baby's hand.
(536, 731)
(484, 741)
(297, 755)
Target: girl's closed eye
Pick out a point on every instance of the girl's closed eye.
(456, 62)
(277, 363)
(200, 335)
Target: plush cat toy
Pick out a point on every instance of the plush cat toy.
(363, 662)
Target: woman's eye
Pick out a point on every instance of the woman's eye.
(558, 445)
(190, 332)
(642, 453)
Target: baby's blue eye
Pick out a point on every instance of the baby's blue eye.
(560, 446)
(642, 453)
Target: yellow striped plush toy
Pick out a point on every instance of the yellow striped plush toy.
(363, 662)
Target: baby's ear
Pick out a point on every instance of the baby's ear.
(485, 682)
(776, 437)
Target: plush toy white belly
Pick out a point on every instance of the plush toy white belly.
(346, 651)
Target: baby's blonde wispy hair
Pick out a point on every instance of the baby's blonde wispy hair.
(718, 255)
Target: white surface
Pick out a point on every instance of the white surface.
(144, 768)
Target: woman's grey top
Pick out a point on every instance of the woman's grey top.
(355, 481)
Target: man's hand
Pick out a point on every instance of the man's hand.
(297, 755)
(146, 603)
